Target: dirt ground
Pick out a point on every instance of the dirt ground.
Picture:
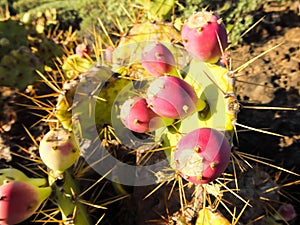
(273, 80)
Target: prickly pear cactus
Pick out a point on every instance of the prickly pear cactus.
(22, 53)
(17, 62)
(153, 93)
(12, 33)
(18, 68)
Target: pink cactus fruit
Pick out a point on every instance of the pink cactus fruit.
(204, 36)
(83, 50)
(225, 60)
(108, 54)
(171, 97)
(19, 201)
(287, 211)
(157, 59)
(202, 155)
(137, 116)
(58, 149)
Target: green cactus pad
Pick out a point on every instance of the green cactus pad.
(103, 110)
(12, 36)
(75, 65)
(157, 9)
(18, 68)
(131, 46)
(88, 100)
(63, 108)
(47, 50)
(213, 85)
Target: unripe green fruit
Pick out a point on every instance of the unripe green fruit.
(58, 150)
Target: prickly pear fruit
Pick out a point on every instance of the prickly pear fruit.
(83, 50)
(171, 97)
(202, 155)
(131, 46)
(157, 59)
(208, 217)
(58, 149)
(138, 117)
(287, 212)
(11, 174)
(19, 200)
(108, 54)
(204, 36)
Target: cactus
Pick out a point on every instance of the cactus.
(157, 9)
(25, 64)
(90, 82)
(66, 191)
(59, 151)
(198, 133)
(25, 52)
(13, 35)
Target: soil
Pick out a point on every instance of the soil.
(272, 81)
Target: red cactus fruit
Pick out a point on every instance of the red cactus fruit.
(204, 36)
(224, 60)
(157, 59)
(287, 211)
(108, 54)
(58, 149)
(171, 97)
(19, 200)
(202, 155)
(82, 50)
(137, 116)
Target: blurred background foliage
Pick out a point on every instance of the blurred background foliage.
(82, 15)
